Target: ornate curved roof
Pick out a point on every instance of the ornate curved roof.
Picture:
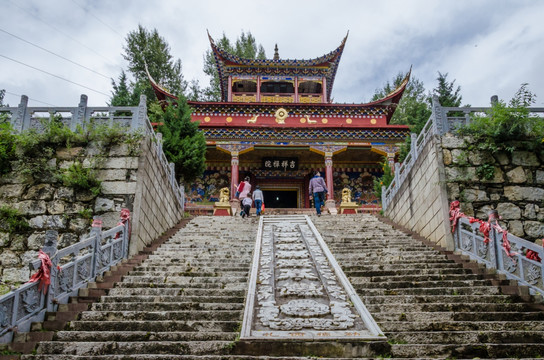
(232, 65)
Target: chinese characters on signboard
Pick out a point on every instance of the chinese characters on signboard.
(283, 164)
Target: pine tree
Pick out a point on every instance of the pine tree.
(123, 94)
(245, 47)
(148, 47)
(446, 95)
(183, 143)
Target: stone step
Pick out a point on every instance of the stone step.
(443, 299)
(467, 325)
(155, 326)
(420, 279)
(185, 287)
(458, 316)
(405, 272)
(165, 306)
(466, 337)
(172, 278)
(443, 307)
(391, 284)
(134, 347)
(222, 315)
(468, 350)
(175, 357)
(177, 299)
(469, 290)
(174, 291)
(125, 336)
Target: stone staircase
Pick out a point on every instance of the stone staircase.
(185, 301)
(426, 304)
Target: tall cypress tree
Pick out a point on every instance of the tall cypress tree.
(183, 143)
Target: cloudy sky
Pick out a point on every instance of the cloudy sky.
(55, 50)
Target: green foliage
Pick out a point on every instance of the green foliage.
(183, 143)
(124, 94)
(148, 47)
(447, 96)
(79, 177)
(384, 180)
(413, 108)
(12, 221)
(86, 213)
(7, 147)
(485, 171)
(244, 47)
(507, 123)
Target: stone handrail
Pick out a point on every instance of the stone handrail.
(71, 269)
(133, 117)
(491, 245)
(439, 123)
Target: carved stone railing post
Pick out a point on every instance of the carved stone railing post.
(159, 144)
(384, 198)
(50, 248)
(139, 119)
(496, 238)
(413, 147)
(80, 117)
(18, 122)
(96, 233)
(440, 121)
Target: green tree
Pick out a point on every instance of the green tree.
(447, 96)
(413, 109)
(124, 94)
(148, 47)
(183, 143)
(384, 180)
(245, 47)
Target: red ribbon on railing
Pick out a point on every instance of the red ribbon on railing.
(125, 216)
(43, 275)
(485, 228)
(533, 255)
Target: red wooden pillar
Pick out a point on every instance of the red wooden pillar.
(328, 177)
(234, 174)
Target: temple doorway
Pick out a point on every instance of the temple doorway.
(280, 199)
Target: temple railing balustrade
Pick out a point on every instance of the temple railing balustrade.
(61, 273)
(133, 118)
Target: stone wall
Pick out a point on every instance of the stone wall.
(421, 202)
(138, 183)
(158, 208)
(515, 189)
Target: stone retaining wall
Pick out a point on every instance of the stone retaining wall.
(447, 170)
(421, 203)
(515, 189)
(138, 183)
(158, 209)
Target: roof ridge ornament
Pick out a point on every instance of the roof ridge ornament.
(276, 54)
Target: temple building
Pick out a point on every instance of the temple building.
(276, 124)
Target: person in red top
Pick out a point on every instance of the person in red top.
(318, 189)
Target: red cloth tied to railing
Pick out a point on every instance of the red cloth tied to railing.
(125, 216)
(485, 228)
(533, 255)
(43, 275)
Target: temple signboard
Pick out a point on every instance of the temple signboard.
(280, 163)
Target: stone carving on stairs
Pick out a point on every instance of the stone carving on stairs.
(296, 285)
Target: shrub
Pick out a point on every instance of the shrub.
(81, 178)
(384, 180)
(12, 221)
(504, 124)
(7, 147)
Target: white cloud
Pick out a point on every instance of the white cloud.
(489, 47)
